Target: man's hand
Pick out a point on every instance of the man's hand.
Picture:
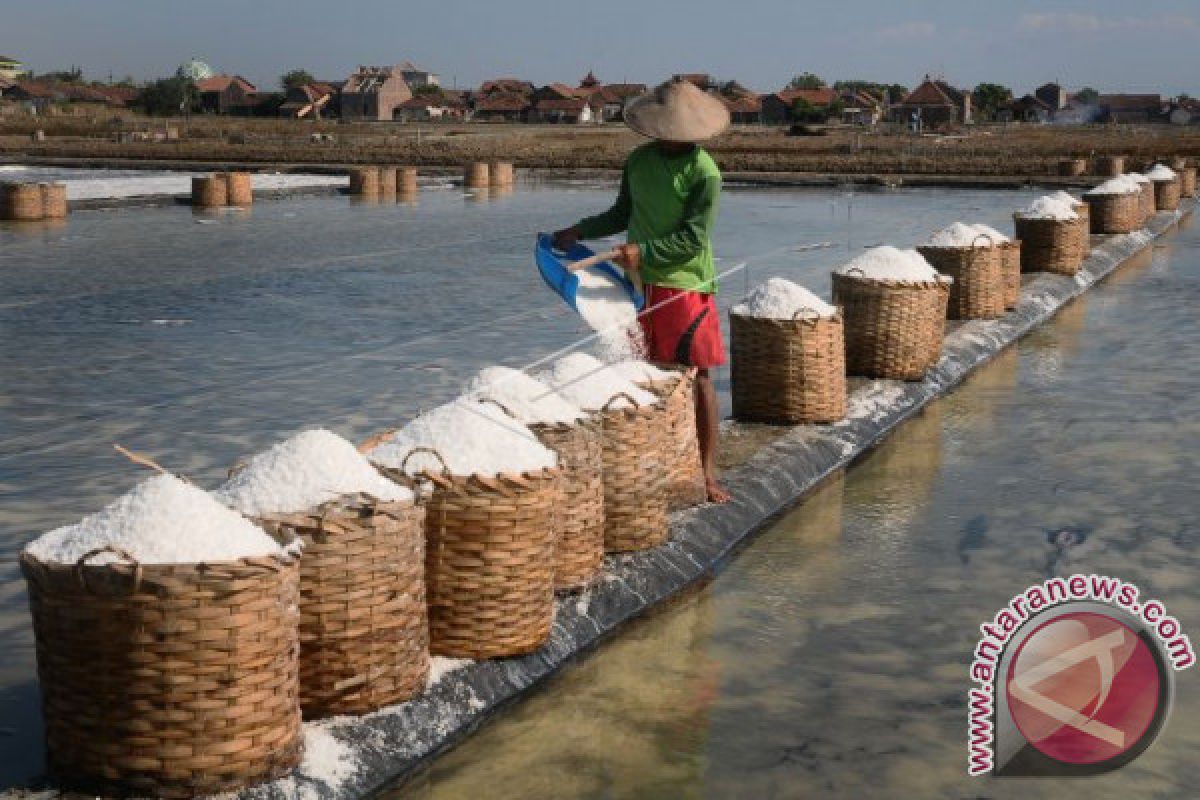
(566, 238)
(629, 256)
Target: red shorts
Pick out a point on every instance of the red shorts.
(682, 327)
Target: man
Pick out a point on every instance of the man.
(667, 203)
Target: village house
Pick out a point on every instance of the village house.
(933, 104)
(1131, 108)
(1052, 95)
(506, 86)
(11, 69)
(227, 94)
(777, 107)
(501, 107)
(417, 77)
(1029, 108)
(307, 101)
(443, 106)
(607, 101)
(861, 108)
(559, 103)
(373, 94)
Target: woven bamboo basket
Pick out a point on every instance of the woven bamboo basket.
(22, 201)
(1187, 182)
(1178, 163)
(167, 680)
(364, 180)
(490, 546)
(1085, 225)
(364, 631)
(54, 200)
(1010, 261)
(893, 329)
(980, 289)
(788, 372)
(1072, 166)
(240, 189)
(635, 483)
(387, 181)
(500, 173)
(1167, 194)
(685, 471)
(1050, 245)
(406, 180)
(475, 175)
(1146, 204)
(1114, 213)
(579, 515)
(1110, 166)
(210, 191)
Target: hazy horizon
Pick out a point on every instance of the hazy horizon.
(1110, 46)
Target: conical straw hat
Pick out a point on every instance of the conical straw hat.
(677, 111)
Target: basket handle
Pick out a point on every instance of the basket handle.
(618, 396)
(119, 553)
(371, 442)
(497, 404)
(991, 242)
(810, 321)
(428, 451)
(849, 272)
(141, 460)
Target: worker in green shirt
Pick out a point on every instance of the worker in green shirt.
(667, 205)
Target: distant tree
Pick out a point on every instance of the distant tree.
(72, 75)
(990, 98)
(422, 91)
(167, 97)
(1088, 96)
(897, 92)
(806, 80)
(805, 111)
(295, 77)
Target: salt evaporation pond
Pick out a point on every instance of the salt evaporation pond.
(199, 338)
(830, 658)
(102, 184)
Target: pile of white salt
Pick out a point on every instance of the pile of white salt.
(590, 383)
(1122, 184)
(1065, 197)
(530, 401)
(640, 371)
(959, 234)
(888, 263)
(996, 236)
(1161, 172)
(163, 520)
(473, 438)
(606, 307)
(304, 471)
(780, 298)
(1048, 207)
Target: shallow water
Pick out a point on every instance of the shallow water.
(198, 338)
(91, 184)
(830, 657)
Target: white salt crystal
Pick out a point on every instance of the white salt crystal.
(603, 302)
(1161, 172)
(590, 383)
(303, 472)
(472, 437)
(441, 666)
(530, 400)
(890, 263)
(782, 299)
(987, 230)
(1047, 207)
(1122, 184)
(958, 234)
(640, 371)
(1139, 177)
(327, 758)
(163, 520)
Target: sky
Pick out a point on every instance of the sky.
(1147, 46)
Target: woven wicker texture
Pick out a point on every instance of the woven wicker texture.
(364, 632)
(685, 472)
(239, 189)
(1114, 213)
(364, 180)
(54, 200)
(387, 180)
(406, 180)
(579, 514)
(1167, 194)
(980, 289)
(475, 175)
(22, 201)
(893, 329)
(1050, 245)
(1010, 264)
(1178, 163)
(788, 371)
(635, 482)
(1072, 166)
(167, 680)
(1187, 182)
(500, 173)
(1085, 226)
(490, 546)
(1110, 166)
(1146, 204)
(210, 191)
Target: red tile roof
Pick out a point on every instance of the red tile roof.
(561, 104)
(502, 102)
(219, 83)
(743, 104)
(929, 93)
(514, 85)
(1130, 102)
(816, 97)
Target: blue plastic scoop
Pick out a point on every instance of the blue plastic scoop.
(553, 266)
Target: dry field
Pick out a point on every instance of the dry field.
(984, 150)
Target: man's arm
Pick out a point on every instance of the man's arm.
(615, 220)
(689, 239)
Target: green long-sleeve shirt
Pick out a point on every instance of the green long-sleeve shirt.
(668, 205)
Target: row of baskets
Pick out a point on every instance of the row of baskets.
(1108, 166)
(30, 202)
(220, 189)
(188, 679)
(383, 180)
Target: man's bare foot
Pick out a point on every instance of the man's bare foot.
(716, 494)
